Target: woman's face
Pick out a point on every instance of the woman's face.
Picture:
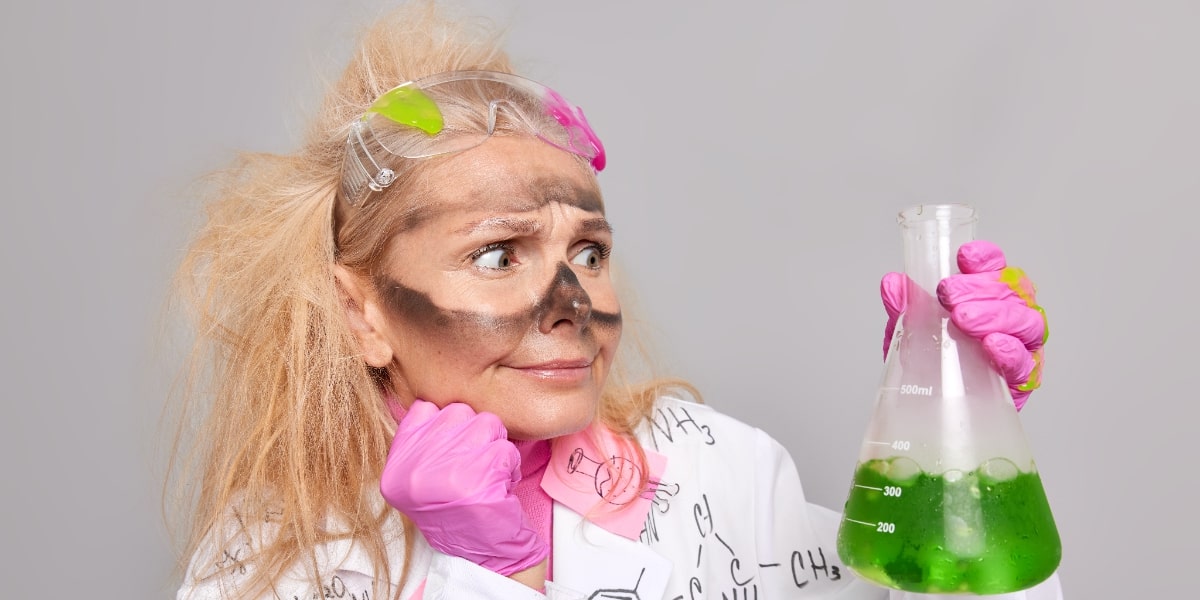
(497, 293)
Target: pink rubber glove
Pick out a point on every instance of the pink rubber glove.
(992, 302)
(452, 472)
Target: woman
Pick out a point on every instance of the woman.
(417, 384)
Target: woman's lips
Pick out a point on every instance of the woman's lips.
(559, 370)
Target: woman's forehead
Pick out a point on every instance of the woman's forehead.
(505, 177)
(460, 211)
(525, 196)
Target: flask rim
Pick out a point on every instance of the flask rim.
(957, 213)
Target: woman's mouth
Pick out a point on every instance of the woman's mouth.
(567, 370)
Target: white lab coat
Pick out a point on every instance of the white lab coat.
(728, 520)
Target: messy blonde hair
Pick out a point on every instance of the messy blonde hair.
(293, 428)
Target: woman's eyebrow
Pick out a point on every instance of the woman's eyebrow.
(593, 225)
(510, 224)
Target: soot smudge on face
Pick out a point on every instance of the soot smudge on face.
(565, 298)
(565, 290)
(460, 326)
(606, 320)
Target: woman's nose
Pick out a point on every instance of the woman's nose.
(565, 300)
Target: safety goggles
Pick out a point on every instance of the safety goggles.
(418, 120)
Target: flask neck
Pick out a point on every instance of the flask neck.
(932, 236)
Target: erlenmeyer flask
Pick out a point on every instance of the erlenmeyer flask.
(945, 497)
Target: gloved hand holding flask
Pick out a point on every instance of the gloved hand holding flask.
(992, 302)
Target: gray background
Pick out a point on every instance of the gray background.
(759, 152)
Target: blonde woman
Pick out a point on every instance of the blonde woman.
(410, 337)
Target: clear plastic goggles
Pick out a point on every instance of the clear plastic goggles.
(441, 114)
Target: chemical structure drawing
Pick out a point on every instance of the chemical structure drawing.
(619, 594)
(617, 480)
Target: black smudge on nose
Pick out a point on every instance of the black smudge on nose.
(565, 298)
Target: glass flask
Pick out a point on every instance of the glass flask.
(945, 498)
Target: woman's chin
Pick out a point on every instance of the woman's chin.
(549, 426)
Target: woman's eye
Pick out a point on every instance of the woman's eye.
(494, 258)
(590, 257)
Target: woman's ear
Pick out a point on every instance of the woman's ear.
(365, 318)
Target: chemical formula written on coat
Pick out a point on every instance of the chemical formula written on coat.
(671, 422)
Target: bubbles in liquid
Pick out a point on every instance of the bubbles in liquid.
(901, 470)
(998, 470)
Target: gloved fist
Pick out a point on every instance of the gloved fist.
(992, 302)
(452, 472)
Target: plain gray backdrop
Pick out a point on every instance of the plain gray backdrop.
(759, 152)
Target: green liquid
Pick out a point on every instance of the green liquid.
(966, 533)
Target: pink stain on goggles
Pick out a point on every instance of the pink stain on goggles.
(409, 122)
